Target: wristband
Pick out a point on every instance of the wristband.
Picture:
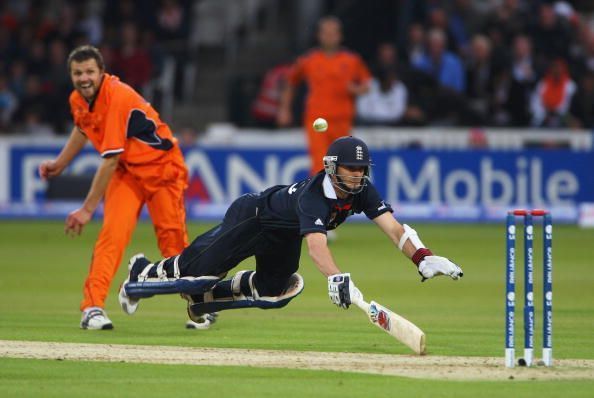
(420, 254)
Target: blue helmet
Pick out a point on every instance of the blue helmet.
(347, 151)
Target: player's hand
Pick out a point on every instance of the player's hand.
(342, 290)
(356, 88)
(434, 265)
(76, 220)
(49, 169)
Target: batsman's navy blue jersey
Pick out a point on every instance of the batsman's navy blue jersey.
(311, 205)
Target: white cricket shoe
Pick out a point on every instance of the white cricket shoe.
(128, 304)
(202, 322)
(95, 318)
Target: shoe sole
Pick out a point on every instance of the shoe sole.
(198, 326)
(125, 301)
(128, 305)
(107, 326)
(104, 327)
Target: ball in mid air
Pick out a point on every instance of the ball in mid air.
(320, 125)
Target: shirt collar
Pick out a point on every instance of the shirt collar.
(329, 191)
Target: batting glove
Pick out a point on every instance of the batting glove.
(434, 265)
(342, 290)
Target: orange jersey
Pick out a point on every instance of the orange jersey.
(120, 121)
(328, 78)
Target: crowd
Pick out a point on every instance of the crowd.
(452, 62)
(518, 64)
(36, 37)
(509, 63)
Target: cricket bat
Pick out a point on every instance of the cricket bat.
(395, 325)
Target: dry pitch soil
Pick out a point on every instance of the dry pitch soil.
(424, 367)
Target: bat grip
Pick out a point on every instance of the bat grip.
(360, 302)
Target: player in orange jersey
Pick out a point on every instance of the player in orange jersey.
(334, 77)
(142, 164)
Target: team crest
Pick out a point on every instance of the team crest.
(359, 152)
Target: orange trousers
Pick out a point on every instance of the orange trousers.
(318, 143)
(161, 185)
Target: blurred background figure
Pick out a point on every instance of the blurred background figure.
(386, 101)
(443, 65)
(207, 61)
(480, 77)
(582, 104)
(131, 61)
(523, 75)
(415, 44)
(334, 78)
(552, 96)
(266, 105)
(8, 102)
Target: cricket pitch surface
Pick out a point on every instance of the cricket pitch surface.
(423, 367)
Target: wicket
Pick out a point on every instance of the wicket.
(510, 276)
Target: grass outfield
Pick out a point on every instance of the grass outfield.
(40, 288)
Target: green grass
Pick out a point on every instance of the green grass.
(29, 378)
(41, 281)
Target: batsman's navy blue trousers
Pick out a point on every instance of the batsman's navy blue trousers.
(239, 236)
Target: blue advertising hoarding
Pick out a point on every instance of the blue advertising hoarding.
(435, 185)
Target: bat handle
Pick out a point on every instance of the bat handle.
(359, 301)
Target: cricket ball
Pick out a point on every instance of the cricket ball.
(320, 125)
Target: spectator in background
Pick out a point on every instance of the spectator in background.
(508, 20)
(386, 103)
(334, 77)
(155, 51)
(480, 77)
(417, 83)
(171, 22)
(131, 61)
(109, 54)
(464, 21)
(523, 74)
(58, 86)
(438, 19)
(55, 66)
(386, 57)
(551, 35)
(173, 30)
(444, 66)
(552, 97)
(36, 58)
(66, 24)
(18, 77)
(265, 107)
(34, 125)
(500, 115)
(415, 45)
(582, 104)
(120, 11)
(586, 63)
(8, 102)
(90, 23)
(34, 98)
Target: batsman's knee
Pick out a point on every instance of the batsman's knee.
(241, 292)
